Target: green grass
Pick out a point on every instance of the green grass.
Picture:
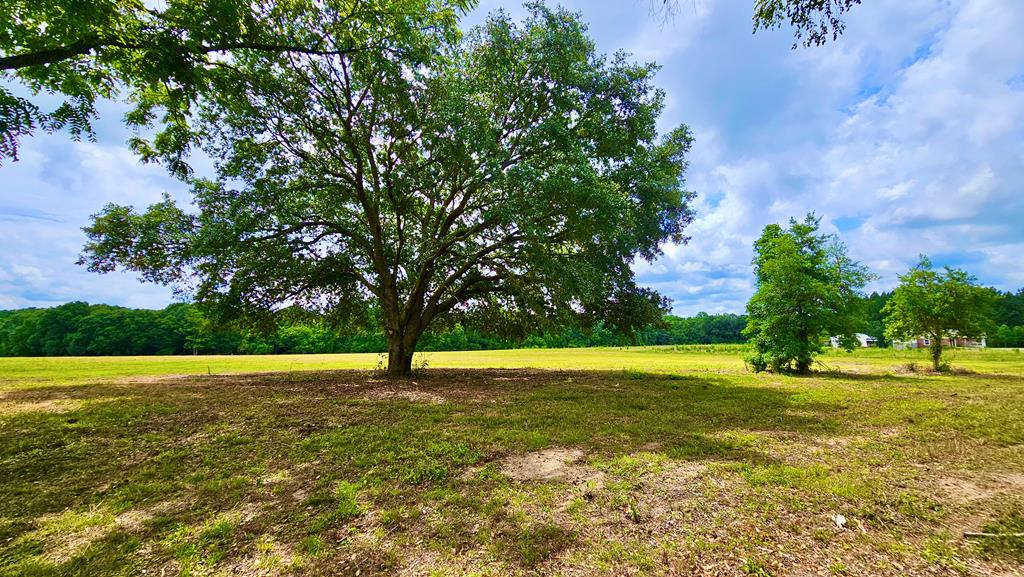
(689, 464)
(639, 360)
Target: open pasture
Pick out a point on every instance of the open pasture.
(640, 461)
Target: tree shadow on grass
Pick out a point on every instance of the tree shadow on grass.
(685, 416)
(908, 377)
(841, 375)
(195, 447)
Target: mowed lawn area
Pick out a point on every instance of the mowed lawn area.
(638, 461)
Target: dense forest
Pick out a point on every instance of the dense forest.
(81, 329)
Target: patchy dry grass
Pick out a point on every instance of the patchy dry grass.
(700, 470)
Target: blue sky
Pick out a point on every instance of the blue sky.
(906, 136)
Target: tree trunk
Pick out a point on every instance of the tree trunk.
(936, 350)
(401, 347)
(399, 359)
(803, 359)
(803, 366)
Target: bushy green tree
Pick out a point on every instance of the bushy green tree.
(191, 328)
(19, 332)
(807, 289)
(57, 326)
(516, 171)
(702, 328)
(936, 305)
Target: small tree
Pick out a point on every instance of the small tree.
(513, 174)
(937, 305)
(807, 289)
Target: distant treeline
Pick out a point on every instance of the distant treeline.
(81, 329)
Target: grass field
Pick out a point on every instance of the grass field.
(641, 461)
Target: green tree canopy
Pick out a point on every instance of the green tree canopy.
(163, 56)
(514, 173)
(807, 289)
(937, 305)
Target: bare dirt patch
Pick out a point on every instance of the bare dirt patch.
(45, 406)
(136, 519)
(65, 547)
(63, 542)
(555, 464)
(411, 395)
(966, 489)
(677, 474)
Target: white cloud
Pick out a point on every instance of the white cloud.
(910, 126)
(662, 37)
(48, 197)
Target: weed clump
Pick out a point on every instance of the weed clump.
(755, 568)
(1009, 544)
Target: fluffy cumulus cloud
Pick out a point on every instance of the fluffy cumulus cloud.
(906, 136)
(932, 163)
(47, 198)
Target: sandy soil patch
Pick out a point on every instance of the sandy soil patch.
(411, 395)
(680, 473)
(555, 464)
(134, 520)
(45, 406)
(62, 546)
(966, 489)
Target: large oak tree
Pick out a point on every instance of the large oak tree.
(514, 172)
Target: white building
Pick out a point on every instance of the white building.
(951, 340)
(863, 339)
